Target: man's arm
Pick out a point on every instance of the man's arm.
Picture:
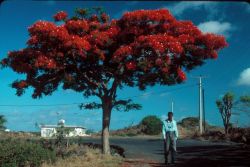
(163, 130)
(176, 130)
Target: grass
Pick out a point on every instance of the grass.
(91, 158)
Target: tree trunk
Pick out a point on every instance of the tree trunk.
(226, 129)
(106, 103)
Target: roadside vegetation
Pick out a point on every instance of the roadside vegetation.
(149, 125)
(91, 158)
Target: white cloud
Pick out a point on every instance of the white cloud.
(146, 95)
(180, 7)
(223, 28)
(164, 94)
(244, 78)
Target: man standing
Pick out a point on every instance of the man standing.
(170, 135)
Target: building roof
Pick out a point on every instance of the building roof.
(58, 126)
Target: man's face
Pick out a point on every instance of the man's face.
(170, 117)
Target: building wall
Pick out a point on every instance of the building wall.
(51, 132)
(48, 132)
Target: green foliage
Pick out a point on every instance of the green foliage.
(2, 122)
(189, 122)
(243, 104)
(90, 106)
(19, 153)
(225, 106)
(90, 131)
(61, 135)
(151, 125)
(126, 105)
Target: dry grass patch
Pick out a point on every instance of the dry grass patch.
(91, 158)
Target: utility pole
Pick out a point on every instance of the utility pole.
(204, 115)
(201, 107)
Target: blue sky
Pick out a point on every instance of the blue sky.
(230, 72)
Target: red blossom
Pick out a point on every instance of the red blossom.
(131, 65)
(139, 16)
(22, 84)
(77, 42)
(44, 62)
(135, 48)
(77, 26)
(181, 74)
(60, 16)
(158, 61)
(94, 18)
(164, 70)
(33, 40)
(104, 17)
(121, 52)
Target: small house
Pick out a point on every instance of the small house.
(73, 131)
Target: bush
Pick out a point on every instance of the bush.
(151, 125)
(20, 153)
(189, 122)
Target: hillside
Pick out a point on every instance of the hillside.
(187, 127)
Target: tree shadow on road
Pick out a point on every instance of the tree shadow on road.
(207, 156)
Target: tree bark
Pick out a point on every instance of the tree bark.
(107, 107)
(226, 129)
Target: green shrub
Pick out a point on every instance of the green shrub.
(189, 122)
(20, 153)
(151, 125)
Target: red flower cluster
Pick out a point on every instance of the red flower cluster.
(98, 38)
(212, 41)
(77, 43)
(94, 25)
(144, 42)
(161, 43)
(60, 33)
(131, 66)
(139, 16)
(60, 16)
(184, 27)
(186, 39)
(77, 26)
(33, 40)
(94, 18)
(181, 74)
(42, 27)
(44, 62)
(113, 31)
(158, 61)
(22, 84)
(122, 52)
(104, 18)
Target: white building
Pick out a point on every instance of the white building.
(51, 130)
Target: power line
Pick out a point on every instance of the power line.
(79, 103)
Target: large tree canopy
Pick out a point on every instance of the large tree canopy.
(89, 53)
(84, 53)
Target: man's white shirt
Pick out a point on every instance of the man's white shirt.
(169, 126)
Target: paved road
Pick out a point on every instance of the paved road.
(190, 152)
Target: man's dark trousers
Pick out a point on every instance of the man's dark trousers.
(170, 147)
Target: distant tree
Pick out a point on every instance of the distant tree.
(2, 122)
(151, 125)
(243, 104)
(90, 131)
(95, 56)
(189, 122)
(225, 106)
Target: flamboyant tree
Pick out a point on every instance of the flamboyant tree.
(91, 54)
